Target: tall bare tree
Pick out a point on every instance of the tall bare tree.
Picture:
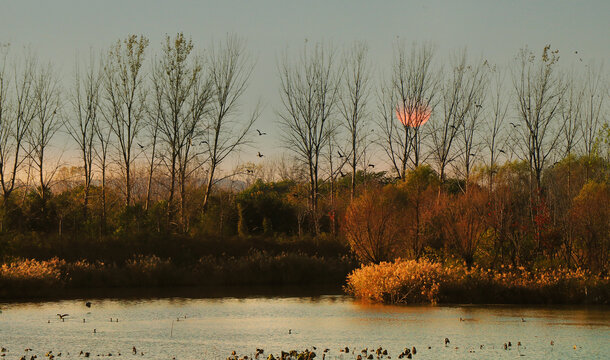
(571, 115)
(472, 124)
(406, 103)
(230, 68)
(45, 124)
(101, 152)
(354, 99)
(153, 126)
(17, 111)
(460, 92)
(182, 94)
(85, 101)
(495, 125)
(595, 94)
(310, 93)
(539, 91)
(125, 94)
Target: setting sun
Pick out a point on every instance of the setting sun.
(413, 116)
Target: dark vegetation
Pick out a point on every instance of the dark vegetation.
(479, 175)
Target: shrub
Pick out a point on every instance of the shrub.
(423, 281)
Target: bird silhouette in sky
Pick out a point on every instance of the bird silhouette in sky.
(340, 155)
(260, 133)
(259, 154)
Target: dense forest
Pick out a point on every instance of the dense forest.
(442, 159)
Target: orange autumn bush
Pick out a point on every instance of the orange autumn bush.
(29, 272)
(423, 281)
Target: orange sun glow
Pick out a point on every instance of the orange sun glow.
(413, 117)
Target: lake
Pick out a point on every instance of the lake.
(210, 328)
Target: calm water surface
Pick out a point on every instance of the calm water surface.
(214, 327)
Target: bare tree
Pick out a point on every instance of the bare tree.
(539, 90)
(182, 95)
(406, 103)
(103, 133)
(153, 127)
(17, 111)
(494, 138)
(471, 125)
(81, 125)
(310, 92)
(571, 116)
(45, 124)
(230, 68)
(595, 93)
(126, 100)
(354, 99)
(460, 92)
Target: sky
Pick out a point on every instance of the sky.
(495, 30)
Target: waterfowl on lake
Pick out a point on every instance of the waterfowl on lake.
(447, 342)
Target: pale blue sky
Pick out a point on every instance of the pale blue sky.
(57, 30)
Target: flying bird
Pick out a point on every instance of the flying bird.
(502, 151)
(260, 133)
(62, 316)
(342, 174)
(478, 106)
(340, 155)
(140, 145)
(260, 155)
(372, 165)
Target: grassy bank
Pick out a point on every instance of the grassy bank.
(33, 278)
(409, 281)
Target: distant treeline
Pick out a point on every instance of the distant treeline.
(456, 160)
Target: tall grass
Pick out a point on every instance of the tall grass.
(424, 281)
(26, 277)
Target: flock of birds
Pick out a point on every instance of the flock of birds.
(371, 353)
(367, 353)
(341, 156)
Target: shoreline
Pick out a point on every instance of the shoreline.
(186, 292)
